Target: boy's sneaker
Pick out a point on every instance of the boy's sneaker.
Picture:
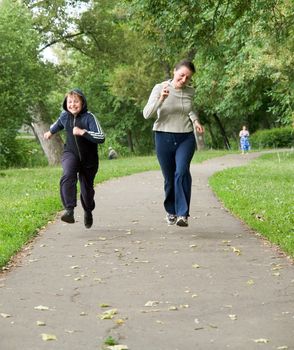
(88, 219)
(171, 219)
(182, 221)
(68, 216)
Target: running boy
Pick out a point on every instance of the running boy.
(80, 156)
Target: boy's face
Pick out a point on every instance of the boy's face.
(74, 104)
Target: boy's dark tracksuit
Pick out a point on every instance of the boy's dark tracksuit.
(80, 155)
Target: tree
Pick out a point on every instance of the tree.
(23, 77)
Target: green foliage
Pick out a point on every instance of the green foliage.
(110, 341)
(261, 194)
(24, 80)
(273, 138)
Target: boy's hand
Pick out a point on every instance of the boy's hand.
(77, 131)
(47, 135)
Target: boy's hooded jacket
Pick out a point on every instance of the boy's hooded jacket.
(84, 147)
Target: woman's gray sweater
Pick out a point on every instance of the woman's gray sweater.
(175, 113)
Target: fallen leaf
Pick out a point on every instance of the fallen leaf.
(120, 321)
(104, 305)
(47, 337)
(276, 274)
(236, 250)
(250, 282)
(261, 340)
(233, 317)
(196, 266)
(74, 267)
(40, 323)
(5, 315)
(108, 315)
(83, 313)
(173, 308)
(151, 303)
(41, 308)
(283, 347)
(118, 347)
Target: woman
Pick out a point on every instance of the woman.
(171, 103)
(244, 140)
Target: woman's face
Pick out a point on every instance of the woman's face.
(182, 76)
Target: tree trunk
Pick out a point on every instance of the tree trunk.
(53, 147)
(213, 139)
(130, 141)
(222, 130)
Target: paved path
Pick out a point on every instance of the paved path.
(173, 288)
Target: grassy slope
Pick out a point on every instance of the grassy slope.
(261, 194)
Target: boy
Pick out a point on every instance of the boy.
(80, 155)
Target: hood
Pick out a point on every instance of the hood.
(80, 93)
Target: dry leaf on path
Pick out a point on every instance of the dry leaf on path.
(261, 340)
(41, 308)
(47, 337)
(118, 347)
(196, 266)
(152, 303)
(108, 315)
(233, 317)
(250, 282)
(5, 315)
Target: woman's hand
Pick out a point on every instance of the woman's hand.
(164, 93)
(199, 128)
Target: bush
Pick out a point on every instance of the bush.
(23, 152)
(273, 138)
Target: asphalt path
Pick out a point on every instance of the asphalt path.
(150, 286)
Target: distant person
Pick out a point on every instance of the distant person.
(80, 155)
(111, 153)
(171, 103)
(244, 140)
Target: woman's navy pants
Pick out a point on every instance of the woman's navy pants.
(175, 152)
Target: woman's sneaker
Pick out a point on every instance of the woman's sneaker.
(171, 219)
(182, 221)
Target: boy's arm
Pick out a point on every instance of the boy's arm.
(54, 128)
(58, 125)
(94, 133)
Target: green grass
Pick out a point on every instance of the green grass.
(261, 194)
(29, 197)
